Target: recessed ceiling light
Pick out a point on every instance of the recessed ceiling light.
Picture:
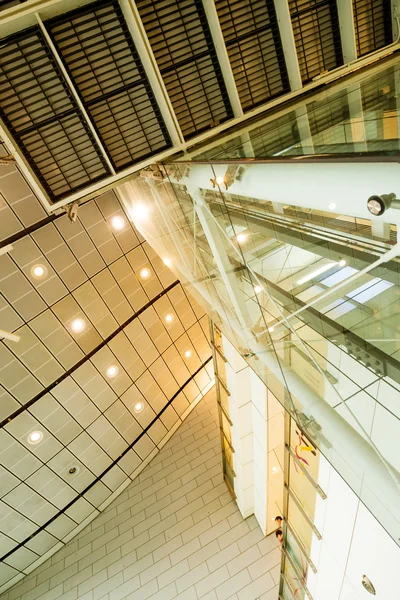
(220, 180)
(169, 318)
(241, 238)
(112, 371)
(332, 206)
(117, 223)
(140, 212)
(167, 262)
(275, 469)
(139, 406)
(257, 289)
(271, 329)
(188, 353)
(35, 437)
(145, 273)
(342, 263)
(78, 325)
(38, 271)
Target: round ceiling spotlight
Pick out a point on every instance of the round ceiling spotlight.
(332, 206)
(169, 318)
(145, 273)
(275, 469)
(38, 271)
(241, 238)
(219, 180)
(257, 289)
(139, 406)
(78, 325)
(342, 263)
(35, 437)
(112, 371)
(140, 212)
(271, 329)
(117, 223)
(188, 353)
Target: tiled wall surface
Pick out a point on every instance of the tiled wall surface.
(175, 532)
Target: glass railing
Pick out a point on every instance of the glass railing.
(303, 307)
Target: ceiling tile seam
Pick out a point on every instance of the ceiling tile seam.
(130, 447)
(103, 343)
(28, 230)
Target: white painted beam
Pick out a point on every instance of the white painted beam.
(6, 335)
(5, 249)
(347, 30)
(223, 57)
(288, 43)
(149, 62)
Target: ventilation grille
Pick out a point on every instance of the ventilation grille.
(254, 47)
(373, 25)
(323, 115)
(103, 63)
(181, 41)
(317, 36)
(43, 117)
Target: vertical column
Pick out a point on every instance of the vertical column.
(238, 375)
(259, 394)
(347, 30)
(288, 43)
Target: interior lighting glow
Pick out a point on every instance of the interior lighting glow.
(169, 318)
(315, 273)
(342, 263)
(275, 469)
(78, 325)
(139, 406)
(140, 212)
(112, 371)
(38, 271)
(271, 329)
(257, 289)
(145, 273)
(35, 437)
(332, 206)
(188, 353)
(167, 262)
(241, 238)
(117, 223)
(220, 180)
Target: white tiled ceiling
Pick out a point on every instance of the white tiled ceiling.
(86, 419)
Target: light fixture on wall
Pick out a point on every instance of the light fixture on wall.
(38, 271)
(117, 223)
(35, 437)
(139, 406)
(112, 371)
(78, 325)
(241, 238)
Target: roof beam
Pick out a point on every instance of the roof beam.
(288, 43)
(347, 30)
(223, 57)
(149, 62)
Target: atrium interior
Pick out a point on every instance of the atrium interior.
(199, 299)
